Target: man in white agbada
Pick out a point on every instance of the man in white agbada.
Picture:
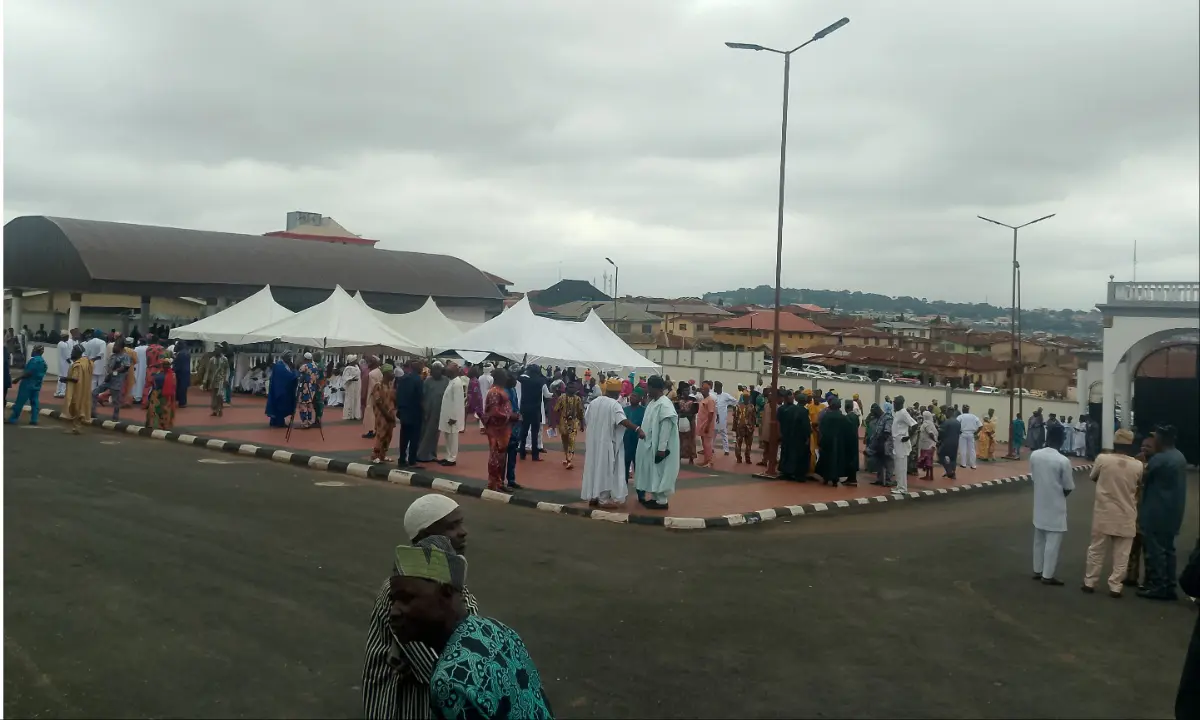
(453, 417)
(95, 348)
(139, 373)
(1052, 483)
(903, 424)
(351, 376)
(724, 402)
(604, 482)
(656, 466)
(970, 424)
(485, 384)
(64, 362)
(1081, 437)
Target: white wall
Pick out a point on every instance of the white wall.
(732, 360)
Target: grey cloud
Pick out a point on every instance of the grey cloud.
(522, 136)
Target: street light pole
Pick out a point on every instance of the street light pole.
(616, 290)
(1020, 350)
(772, 450)
(1014, 367)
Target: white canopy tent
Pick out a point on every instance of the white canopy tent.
(234, 322)
(427, 326)
(518, 334)
(340, 321)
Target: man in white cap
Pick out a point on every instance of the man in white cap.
(396, 675)
(351, 377)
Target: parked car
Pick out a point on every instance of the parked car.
(906, 381)
(850, 377)
(987, 390)
(820, 370)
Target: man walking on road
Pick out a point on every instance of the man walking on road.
(1052, 483)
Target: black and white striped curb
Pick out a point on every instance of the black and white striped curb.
(389, 473)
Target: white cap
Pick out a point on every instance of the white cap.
(425, 511)
(308, 356)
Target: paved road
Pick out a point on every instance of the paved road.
(154, 584)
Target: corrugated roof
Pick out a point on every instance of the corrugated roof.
(765, 320)
(95, 256)
(626, 311)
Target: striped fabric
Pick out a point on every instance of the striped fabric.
(396, 676)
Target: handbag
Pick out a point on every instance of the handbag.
(685, 425)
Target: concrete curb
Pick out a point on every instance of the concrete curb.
(420, 479)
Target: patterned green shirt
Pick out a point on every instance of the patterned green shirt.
(486, 672)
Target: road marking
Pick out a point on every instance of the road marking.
(218, 461)
(110, 442)
(332, 483)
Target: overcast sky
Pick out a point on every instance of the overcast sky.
(537, 137)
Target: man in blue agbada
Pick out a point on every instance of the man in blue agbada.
(30, 387)
(281, 396)
(483, 668)
(656, 467)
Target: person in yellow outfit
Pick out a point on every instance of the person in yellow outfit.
(78, 406)
(987, 437)
(814, 412)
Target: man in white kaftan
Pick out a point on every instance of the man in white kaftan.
(1081, 437)
(453, 417)
(604, 482)
(1052, 483)
(139, 373)
(64, 365)
(724, 402)
(970, 424)
(351, 376)
(903, 424)
(95, 348)
(656, 467)
(485, 384)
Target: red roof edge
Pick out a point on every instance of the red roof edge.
(322, 238)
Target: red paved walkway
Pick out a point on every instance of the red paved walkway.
(728, 488)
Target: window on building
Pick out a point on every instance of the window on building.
(699, 326)
(683, 326)
(623, 327)
(647, 329)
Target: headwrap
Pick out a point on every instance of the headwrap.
(351, 358)
(807, 392)
(438, 364)
(612, 385)
(425, 511)
(433, 558)
(308, 356)
(1124, 436)
(387, 368)
(129, 341)
(639, 391)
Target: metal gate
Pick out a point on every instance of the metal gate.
(1170, 401)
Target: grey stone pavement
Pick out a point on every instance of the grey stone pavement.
(147, 579)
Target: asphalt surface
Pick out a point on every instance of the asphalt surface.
(142, 581)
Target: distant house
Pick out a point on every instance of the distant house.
(756, 330)
(501, 284)
(631, 322)
(563, 292)
(906, 329)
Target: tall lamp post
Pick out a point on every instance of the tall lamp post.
(616, 288)
(1013, 361)
(1020, 350)
(773, 443)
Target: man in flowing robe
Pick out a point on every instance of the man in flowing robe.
(433, 391)
(65, 346)
(1037, 431)
(78, 406)
(351, 377)
(485, 384)
(216, 375)
(904, 426)
(829, 462)
(656, 468)
(409, 412)
(94, 346)
(1081, 437)
(373, 377)
(452, 418)
(970, 425)
(706, 424)
(604, 482)
(183, 373)
(382, 404)
(154, 355)
(814, 407)
(1052, 483)
(140, 373)
(745, 419)
(127, 396)
(848, 468)
(281, 394)
(794, 436)
(725, 402)
(1114, 513)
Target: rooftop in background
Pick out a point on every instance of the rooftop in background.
(64, 254)
(765, 321)
(889, 356)
(678, 306)
(805, 308)
(626, 311)
(314, 226)
(563, 292)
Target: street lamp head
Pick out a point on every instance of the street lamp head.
(610, 262)
(840, 23)
(744, 46)
(1039, 219)
(995, 222)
